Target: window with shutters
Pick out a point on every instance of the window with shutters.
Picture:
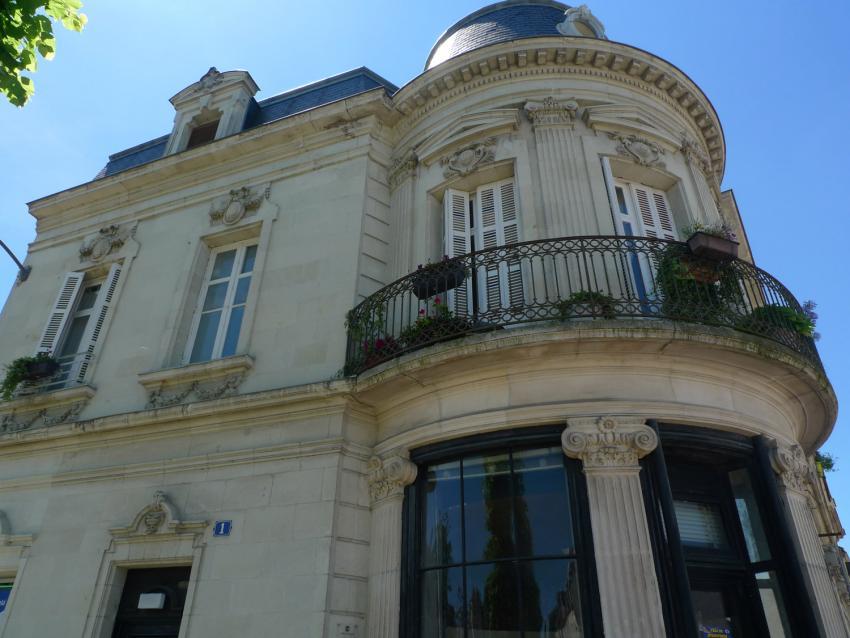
(479, 221)
(77, 324)
(219, 315)
(642, 211)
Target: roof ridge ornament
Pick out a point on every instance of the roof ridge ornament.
(581, 15)
(209, 79)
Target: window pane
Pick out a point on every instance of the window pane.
(223, 265)
(75, 336)
(700, 525)
(88, 298)
(231, 339)
(621, 201)
(242, 290)
(550, 598)
(205, 338)
(542, 507)
(748, 514)
(713, 615)
(215, 296)
(442, 603)
(250, 258)
(492, 600)
(773, 605)
(441, 542)
(487, 507)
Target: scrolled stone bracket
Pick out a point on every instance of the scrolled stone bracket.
(388, 477)
(608, 442)
(792, 467)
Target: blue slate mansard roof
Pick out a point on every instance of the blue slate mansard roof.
(500, 22)
(274, 108)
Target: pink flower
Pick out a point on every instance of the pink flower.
(436, 300)
(379, 344)
(421, 311)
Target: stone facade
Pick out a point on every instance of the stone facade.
(134, 464)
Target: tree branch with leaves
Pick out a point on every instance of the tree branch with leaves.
(26, 32)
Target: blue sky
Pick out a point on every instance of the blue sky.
(777, 72)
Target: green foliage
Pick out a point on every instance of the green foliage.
(587, 303)
(718, 230)
(26, 31)
(432, 326)
(773, 317)
(19, 371)
(696, 290)
(827, 461)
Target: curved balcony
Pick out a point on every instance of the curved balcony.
(567, 280)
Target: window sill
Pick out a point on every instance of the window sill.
(50, 407)
(195, 382)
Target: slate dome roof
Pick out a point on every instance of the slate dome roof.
(500, 22)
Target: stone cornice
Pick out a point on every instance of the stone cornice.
(312, 129)
(608, 443)
(543, 57)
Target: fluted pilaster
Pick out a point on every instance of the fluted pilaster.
(795, 476)
(387, 480)
(610, 448)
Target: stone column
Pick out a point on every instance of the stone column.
(609, 448)
(795, 476)
(564, 179)
(387, 479)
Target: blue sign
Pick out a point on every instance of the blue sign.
(222, 528)
(5, 590)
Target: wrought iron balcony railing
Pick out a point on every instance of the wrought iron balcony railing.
(567, 280)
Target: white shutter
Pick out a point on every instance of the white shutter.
(62, 309)
(497, 224)
(654, 211)
(456, 205)
(99, 317)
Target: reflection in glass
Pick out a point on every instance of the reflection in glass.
(700, 525)
(441, 542)
(250, 258)
(205, 337)
(487, 507)
(88, 298)
(241, 291)
(223, 264)
(492, 600)
(215, 296)
(231, 338)
(75, 336)
(773, 605)
(712, 614)
(748, 514)
(556, 612)
(543, 525)
(442, 603)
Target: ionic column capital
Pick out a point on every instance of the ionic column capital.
(389, 476)
(608, 442)
(551, 112)
(791, 465)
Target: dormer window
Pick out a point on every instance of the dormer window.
(202, 133)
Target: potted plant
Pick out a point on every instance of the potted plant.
(779, 322)
(434, 324)
(27, 369)
(587, 303)
(716, 242)
(433, 279)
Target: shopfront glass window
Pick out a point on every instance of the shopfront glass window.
(498, 556)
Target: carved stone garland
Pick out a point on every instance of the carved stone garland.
(239, 203)
(106, 241)
(469, 158)
(608, 442)
(217, 388)
(638, 149)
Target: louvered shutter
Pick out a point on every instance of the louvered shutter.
(456, 205)
(654, 211)
(99, 317)
(62, 309)
(497, 224)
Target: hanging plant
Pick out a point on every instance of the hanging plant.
(23, 369)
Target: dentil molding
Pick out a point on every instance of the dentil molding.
(388, 477)
(608, 441)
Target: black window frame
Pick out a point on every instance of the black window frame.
(512, 439)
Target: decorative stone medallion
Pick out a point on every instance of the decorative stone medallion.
(468, 158)
(236, 205)
(107, 240)
(638, 149)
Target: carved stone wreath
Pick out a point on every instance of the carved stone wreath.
(107, 240)
(236, 205)
(468, 158)
(638, 149)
